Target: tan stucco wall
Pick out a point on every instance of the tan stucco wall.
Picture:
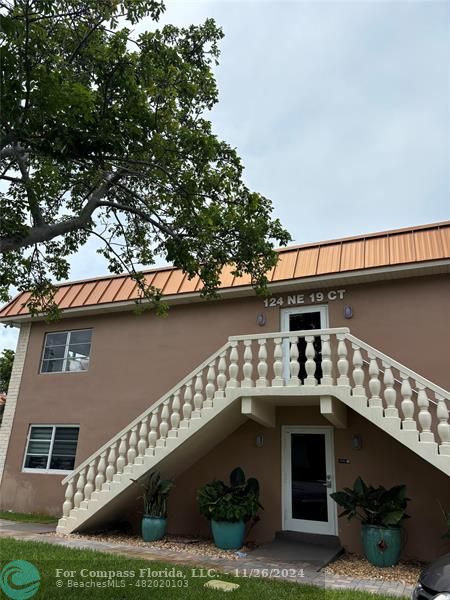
(135, 359)
(382, 460)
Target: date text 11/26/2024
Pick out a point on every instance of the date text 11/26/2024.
(313, 297)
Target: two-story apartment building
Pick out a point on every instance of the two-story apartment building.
(342, 371)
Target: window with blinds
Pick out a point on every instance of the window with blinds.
(51, 448)
(66, 351)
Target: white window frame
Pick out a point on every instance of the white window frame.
(320, 308)
(66, 350)
(47, 471)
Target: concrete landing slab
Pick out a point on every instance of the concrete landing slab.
(300, 553)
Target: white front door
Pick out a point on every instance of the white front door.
(308, 480)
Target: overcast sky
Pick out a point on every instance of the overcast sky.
(339, 110)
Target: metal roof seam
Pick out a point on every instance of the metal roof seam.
(441, 236)
(75, 297)
(92, 291)
(295, 264)
(119, 289)
(340, 257)
(167, 281)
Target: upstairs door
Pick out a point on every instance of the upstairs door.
(304, 318)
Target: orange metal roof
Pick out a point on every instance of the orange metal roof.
(401, 246)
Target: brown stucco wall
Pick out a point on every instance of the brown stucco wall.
(136, 358)
(382, 460)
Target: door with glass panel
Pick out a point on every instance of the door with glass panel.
(304, 318)
(308, 480)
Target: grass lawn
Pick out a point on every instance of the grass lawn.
(48, 558)
(27, 517)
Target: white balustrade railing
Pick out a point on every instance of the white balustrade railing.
(329, 357)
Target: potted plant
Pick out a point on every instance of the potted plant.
(154, 519)
(230, 507)
(381, 512)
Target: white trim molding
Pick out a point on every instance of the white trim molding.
(13, 393)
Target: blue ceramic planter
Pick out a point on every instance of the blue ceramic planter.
(153, 528)
(228, 536)
(382, 545)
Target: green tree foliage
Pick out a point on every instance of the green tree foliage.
(6, 364)
(105, 133)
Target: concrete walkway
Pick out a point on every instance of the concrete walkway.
(247, 564)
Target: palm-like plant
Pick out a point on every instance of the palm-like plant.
(373, 506)
(155, 493)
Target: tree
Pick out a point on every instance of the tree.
(6, 364)
(105, 134)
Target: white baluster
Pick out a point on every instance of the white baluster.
(153, 434)
(187, 405)
(198, 396)
(342, 363)
(100, 477)
(210, 385)
(89, 487)
(221, 376)
(375, 385)
(143, 437)
(358, 373)
(310, 364)
(164, 424)
(424, 416)
(247, 369)
(294, 365)
(79, 494)
(390, 395)
(407, 405)
(278, 380)
(443, 425)
(233, 369)
(111, 468)
(175, 415)
(132, 443)
(67, 506)
(262, 380)
(327, 365)
(121, 461)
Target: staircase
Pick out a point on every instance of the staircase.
(204, 408)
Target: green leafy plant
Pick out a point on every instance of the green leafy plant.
(373, 506)
(237, 501)
(6, 365)
(155, 493)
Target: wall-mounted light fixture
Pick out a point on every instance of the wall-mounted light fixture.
(261, 319)
(259, 440)
(357, 442)
(348, 311)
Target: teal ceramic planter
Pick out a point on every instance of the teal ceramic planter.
(153, 528)
(228, 536)
(382, 545)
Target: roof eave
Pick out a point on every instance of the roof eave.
(400, 271)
